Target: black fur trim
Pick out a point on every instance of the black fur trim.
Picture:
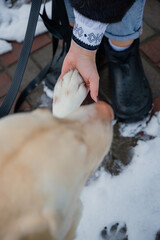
(106, 11)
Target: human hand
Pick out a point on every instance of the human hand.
(84, 61)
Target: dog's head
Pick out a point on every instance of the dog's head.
(94, 125)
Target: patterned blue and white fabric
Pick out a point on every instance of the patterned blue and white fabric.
(87, 33)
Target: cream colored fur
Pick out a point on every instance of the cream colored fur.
(44, 164)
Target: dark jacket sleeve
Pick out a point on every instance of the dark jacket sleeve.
(105, 11)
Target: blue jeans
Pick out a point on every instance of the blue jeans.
(128, 29)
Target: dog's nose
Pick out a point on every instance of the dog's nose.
(105, 109)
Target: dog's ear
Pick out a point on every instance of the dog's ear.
(32, 226)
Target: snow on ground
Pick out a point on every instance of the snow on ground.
(13, 24)
(130, 130)
(48, 91)
(5, 46)
(132, 197)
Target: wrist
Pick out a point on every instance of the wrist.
(82, 51)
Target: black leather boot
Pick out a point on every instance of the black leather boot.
(131, 93)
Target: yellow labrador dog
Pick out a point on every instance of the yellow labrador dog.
(44, 164)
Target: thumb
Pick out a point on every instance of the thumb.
(62, 74)
(94, 86)
(65, 68)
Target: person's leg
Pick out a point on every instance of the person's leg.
(131, 94)
(131, 25)
(70, 13)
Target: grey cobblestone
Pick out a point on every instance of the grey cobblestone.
(31, 71)
(152, 14)
(147, 32)
(43, 55)
(153, 76)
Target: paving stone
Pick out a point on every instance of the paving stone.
(5, 82)
(152, 13)
(152, 49)
(1, 67)
(23, 108)
(40, 41)
(147, 32)
(10, 58)
(31, 71)
(43, 56)
(153, 76)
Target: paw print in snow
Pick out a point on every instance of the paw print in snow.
(116, 231)
(69, 93)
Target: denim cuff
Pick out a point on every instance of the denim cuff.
(132, 36)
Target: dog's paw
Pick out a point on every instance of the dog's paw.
(69, 93)
(116, 231)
